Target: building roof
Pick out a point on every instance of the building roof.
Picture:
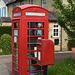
(5, 19)
(6, 1)
(52, 16)
(9, 1)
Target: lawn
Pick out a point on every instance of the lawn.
(65, 67)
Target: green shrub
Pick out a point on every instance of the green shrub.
(0, 43)
(5, 30)
(71, 43)
(6, 43)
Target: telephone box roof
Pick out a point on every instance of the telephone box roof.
(29, 5)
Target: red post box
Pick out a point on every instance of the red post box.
(29, 23)
(45, 53)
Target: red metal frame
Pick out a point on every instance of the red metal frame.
(23, 21)
(13, 49)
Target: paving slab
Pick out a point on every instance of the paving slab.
(4, 70)
(5, 65)
(59, 56)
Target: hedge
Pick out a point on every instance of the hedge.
(5, 30)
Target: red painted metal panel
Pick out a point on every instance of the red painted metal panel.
(46, 49)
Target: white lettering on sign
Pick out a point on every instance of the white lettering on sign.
(39, 56)
(17, 14)
(34, 14)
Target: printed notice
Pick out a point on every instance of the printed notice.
(39, 56)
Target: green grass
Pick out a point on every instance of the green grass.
(5, 53)
(65, 67)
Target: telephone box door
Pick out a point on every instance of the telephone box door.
(36, 29)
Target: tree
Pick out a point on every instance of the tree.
(66, 16)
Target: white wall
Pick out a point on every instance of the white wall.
(2, 5)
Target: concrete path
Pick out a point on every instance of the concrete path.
(5, 65)
(59, 56)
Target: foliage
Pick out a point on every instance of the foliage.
(5, 53)
(6, 43)
(5, 30)
(71, 43)
(65, 67)
(66, 16)
(0, 43)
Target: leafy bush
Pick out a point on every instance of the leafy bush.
(71, 43)
(5, 30)
(0, 43)
(6, 43)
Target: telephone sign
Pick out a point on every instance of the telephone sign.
(29, 23)
(35, 14)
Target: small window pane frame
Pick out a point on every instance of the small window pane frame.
(44, 3)
(55, 27)
(30, 1)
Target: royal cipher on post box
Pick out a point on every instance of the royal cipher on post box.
(45, 52)
(29, 23)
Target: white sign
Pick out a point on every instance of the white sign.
(15, 32)
(15, 39)
(34, 14)
(17, 14)
(35, 53)
(39, 56)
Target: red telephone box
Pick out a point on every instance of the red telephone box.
(29, 23)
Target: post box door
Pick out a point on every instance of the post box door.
(35, 31)
(45, 49)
